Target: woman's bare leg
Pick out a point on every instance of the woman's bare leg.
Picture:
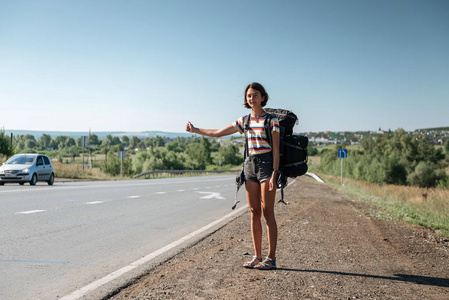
(268, 201)
(253, 197)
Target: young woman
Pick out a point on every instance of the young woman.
(260, 169)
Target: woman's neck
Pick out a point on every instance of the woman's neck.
(257, 112)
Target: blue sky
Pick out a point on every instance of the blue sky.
(154, 65)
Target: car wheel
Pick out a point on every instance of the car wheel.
(33, 180)
(51, 180)
(21, 183)
(2, 183)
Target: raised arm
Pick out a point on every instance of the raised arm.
(211, 132)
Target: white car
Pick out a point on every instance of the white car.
(30, 168)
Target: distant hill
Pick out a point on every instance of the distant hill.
(101, 134)
(434, 129)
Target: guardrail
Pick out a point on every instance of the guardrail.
(183, 172)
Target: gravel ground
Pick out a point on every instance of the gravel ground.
(329, 247)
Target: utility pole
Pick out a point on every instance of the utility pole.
(83, 141)
(90, 151)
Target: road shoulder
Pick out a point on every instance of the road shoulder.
(329, 247)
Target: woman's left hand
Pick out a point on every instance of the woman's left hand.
(272, 182)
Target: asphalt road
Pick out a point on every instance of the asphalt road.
(57, 239)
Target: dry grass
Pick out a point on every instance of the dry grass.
(78, 160)
(435, 199)
(76, 172)
(428, 207)
(314, 160)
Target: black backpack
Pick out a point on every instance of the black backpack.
(292, 148)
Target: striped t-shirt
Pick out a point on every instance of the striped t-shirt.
(257, 138)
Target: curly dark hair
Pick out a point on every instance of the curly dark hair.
(258, 87)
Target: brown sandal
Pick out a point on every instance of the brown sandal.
(252, 264)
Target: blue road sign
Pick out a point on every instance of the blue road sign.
(342, 153)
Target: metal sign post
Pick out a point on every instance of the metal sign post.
(121, 155)
(342, 153)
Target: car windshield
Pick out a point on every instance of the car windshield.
(21, 160)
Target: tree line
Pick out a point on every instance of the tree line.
(147, 154)
(396, 158)
(393, 158)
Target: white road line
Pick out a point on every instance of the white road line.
(30, 212)
(94, 202)
(133, 197)
(160, 193)
(114, 275)
(180, 190)
(59, 187)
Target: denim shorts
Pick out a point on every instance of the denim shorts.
(258, 168)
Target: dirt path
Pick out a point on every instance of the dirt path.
(329, 247)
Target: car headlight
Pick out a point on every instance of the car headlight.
(24, 170)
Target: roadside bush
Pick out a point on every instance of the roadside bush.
(398, 158)
(113, 165)
(25, 151)
(3, 158)
(329, 162)
(200, 152)
(6, 147)
(426, 175)
(443, 183)
(229, 155)
(139, 160)
(312, 150)
(446, 149)
(376, 172)
(395, 171)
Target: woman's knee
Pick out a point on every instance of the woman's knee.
(256, 213)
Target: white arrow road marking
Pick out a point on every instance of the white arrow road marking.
(30, 212)
(94, 202)
(211, 195)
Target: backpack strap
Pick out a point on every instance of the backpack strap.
(267, 127)
(246, 120)
(281, 181)
(240, 180)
